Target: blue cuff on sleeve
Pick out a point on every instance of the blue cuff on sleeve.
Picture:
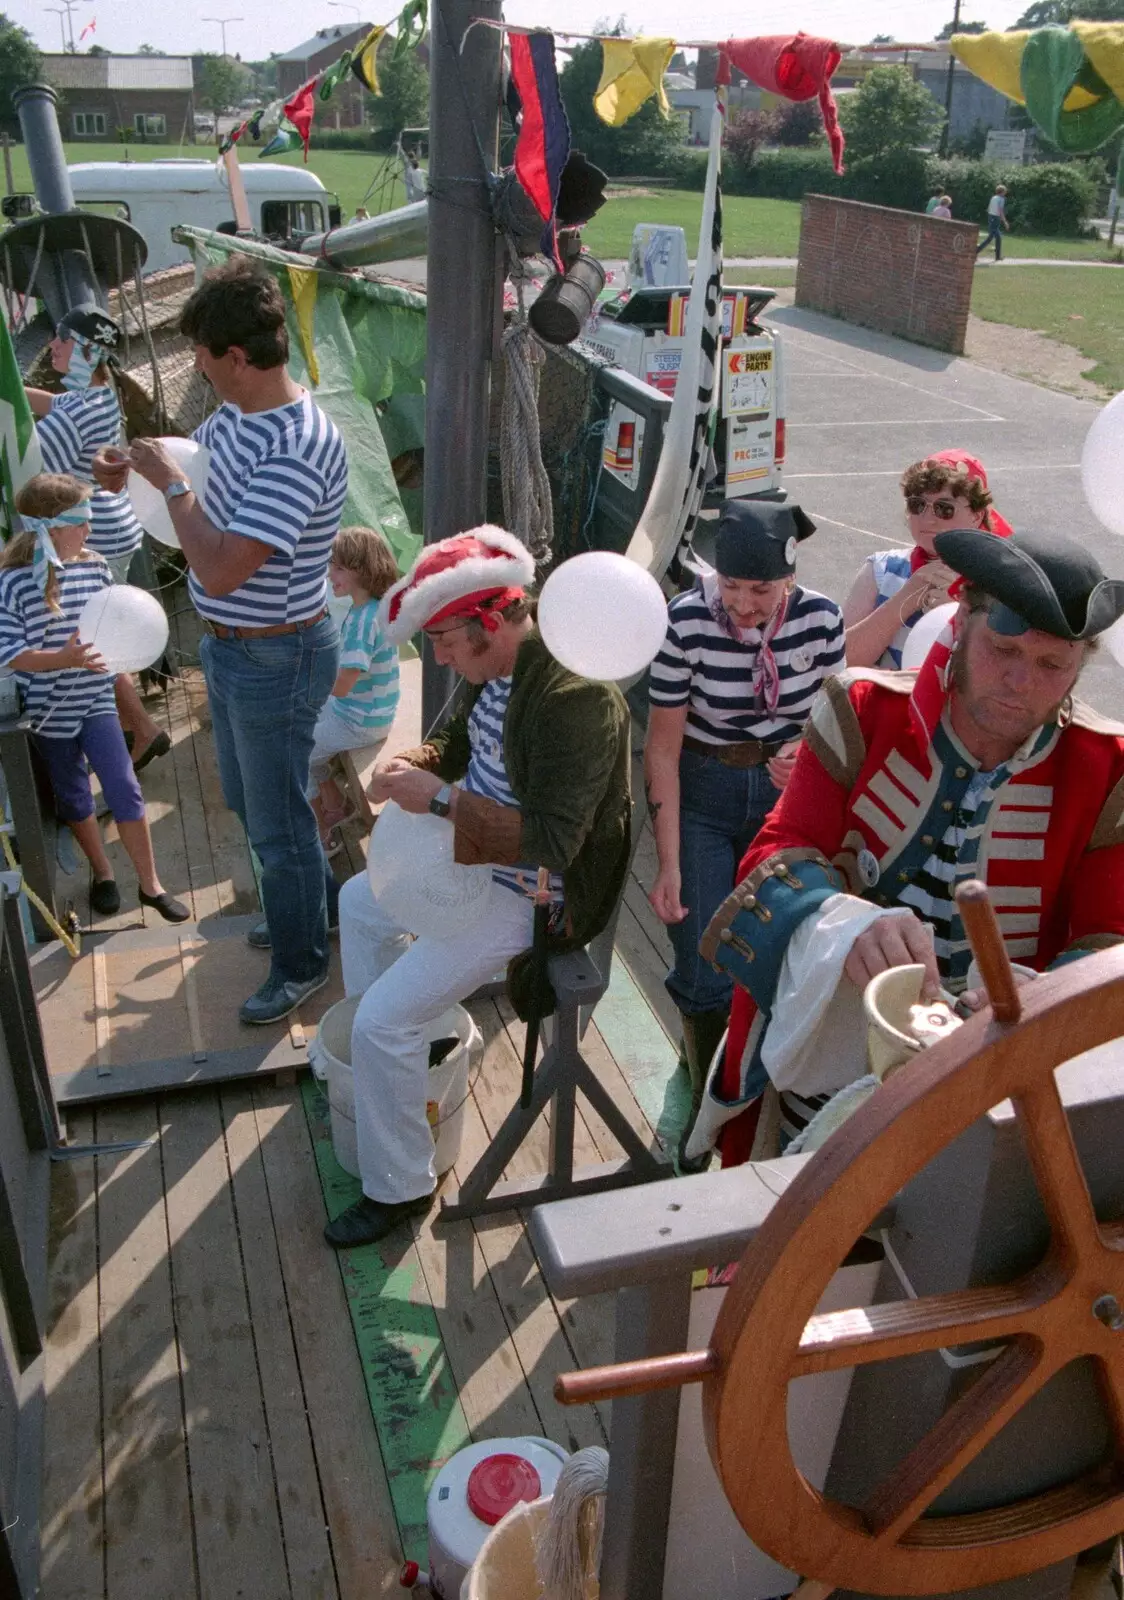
(749, 934)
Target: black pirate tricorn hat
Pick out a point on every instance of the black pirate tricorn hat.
(90, 325)
(1048, 583)
(757, 541)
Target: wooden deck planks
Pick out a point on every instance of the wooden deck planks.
(72, 1554)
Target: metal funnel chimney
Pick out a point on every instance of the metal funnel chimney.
(35, 105)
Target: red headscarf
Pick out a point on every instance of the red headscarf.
(993, 521)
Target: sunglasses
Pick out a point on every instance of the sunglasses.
(917, 505)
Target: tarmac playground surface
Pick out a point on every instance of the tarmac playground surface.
(862, 406)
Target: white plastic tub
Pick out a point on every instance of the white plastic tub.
(448, 1082)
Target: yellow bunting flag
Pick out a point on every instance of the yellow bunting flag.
(303, 282)
(1104, 47)
(632, 72)
(363, 60)
(997, 59)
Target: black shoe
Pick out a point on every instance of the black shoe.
(171, 910)
(369, 1220)
(276, 1000)
(258, 935)
(105, 897)
(151, 752)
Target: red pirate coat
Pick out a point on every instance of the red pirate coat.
(878, 782)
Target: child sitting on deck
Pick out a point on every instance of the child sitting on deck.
(47, 573)
(360, 710)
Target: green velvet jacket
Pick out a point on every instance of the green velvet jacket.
(567, 751)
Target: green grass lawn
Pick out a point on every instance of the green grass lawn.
(1080, 308)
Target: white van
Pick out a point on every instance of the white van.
(156, 196)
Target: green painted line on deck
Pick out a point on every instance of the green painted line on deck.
(410, 1386)
(644, 1053)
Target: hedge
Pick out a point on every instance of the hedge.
(378, 139)
(1054, 198)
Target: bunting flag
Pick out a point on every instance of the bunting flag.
(266, 120)
(669, 516)
(285, 139)
(631, 72)
(333, 76)
(298, 113)
(91, 27)
(19, 443)
(1071, 80)
(543, 145)
(363, 64)
(412, 23)
(230, 139)
(303, 285)
(797, 67)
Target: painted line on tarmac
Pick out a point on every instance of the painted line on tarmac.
(901, 422)
(895, 472)
(850, 526)
(869, 371)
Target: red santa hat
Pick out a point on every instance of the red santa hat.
(473, 575)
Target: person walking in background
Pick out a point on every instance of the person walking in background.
(47, 573)
(997, 224)
(360, 709)
(933, 202)
(943, 208)
(258, 546)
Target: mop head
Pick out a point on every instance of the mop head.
(568, 1550)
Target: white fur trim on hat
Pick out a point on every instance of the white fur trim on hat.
(513, 567)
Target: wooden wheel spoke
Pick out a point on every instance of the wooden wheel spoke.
(1057, 1170)
(866, 1334)
(1110, 1377)
(1003, 1388)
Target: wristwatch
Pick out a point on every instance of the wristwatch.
(442, 802)
(177, 488)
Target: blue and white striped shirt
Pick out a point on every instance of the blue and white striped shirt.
(73, 431)
(892, 571)
(280, 477)
(487, 775)
(702, 667)
(370, 706)
(57, 702)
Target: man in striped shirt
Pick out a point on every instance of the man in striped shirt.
(258, 546)
(979, 765)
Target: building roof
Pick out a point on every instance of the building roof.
(324, 39)
(117, 72)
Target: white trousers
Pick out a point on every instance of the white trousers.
(406, 983)
(331, 736)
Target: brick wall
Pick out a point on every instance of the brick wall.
(897, 271)
(119, 108)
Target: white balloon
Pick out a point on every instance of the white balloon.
(149, 503)
(1102, 466)
(414, 878)
(128, 625)
(602, 616)
(924, 634)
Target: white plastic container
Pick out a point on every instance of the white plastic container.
(448, 1082)
(474, 1491)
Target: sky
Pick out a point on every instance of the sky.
(178, 26)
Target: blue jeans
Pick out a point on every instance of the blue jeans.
(265, 697)
(720, 810)
(994, 232)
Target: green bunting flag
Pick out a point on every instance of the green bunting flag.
(19, 443)
(412, 24)
(333, 76)
(286, 138)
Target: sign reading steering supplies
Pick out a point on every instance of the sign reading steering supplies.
(747, 380)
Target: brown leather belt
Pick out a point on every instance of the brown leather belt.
(274, 631)
(752, 753)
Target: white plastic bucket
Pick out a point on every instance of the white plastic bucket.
(505, 1569)
(473, 1491)
(448, 1082)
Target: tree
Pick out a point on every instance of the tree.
(1043, 13)
(747, 131)
(97, 50)
(221, 85)
(883, 38)
(644, 146)
(889, 111)
(149, 50)
(798, 122)
(961, 27)
(403, 97)
(19, 64)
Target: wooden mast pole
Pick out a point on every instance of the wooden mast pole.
(464, 285)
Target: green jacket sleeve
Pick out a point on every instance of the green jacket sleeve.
(572, 749)
(446, 752)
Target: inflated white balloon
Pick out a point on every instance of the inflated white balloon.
(602, 615)
(149, 503)
(128, 625)
(414, 878)
(924, 634)
(1102, 466)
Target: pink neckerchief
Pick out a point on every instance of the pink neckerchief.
(766, 673)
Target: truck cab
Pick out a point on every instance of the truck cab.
(286, 203)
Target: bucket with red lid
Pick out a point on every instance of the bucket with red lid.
(474, 1490)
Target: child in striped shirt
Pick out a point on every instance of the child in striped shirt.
(360, 709)
(47, 574)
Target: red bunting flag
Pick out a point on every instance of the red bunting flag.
(796, 66)
(299, 111)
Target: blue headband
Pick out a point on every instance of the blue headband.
(85, 359)
(46, 556)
